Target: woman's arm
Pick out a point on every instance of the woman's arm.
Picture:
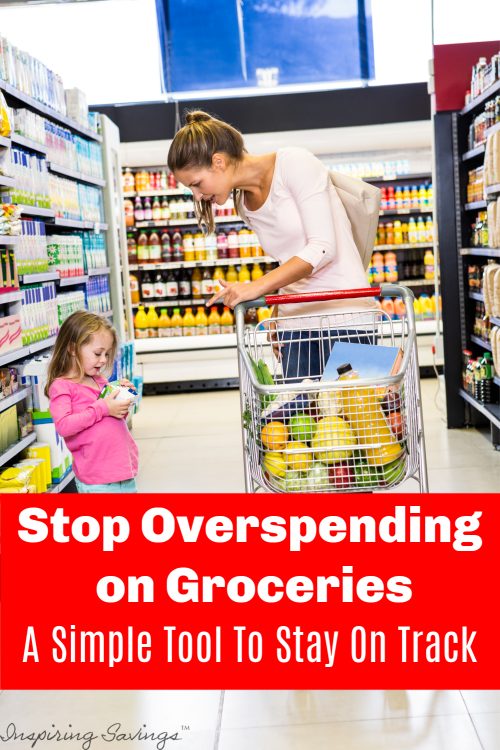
(289, 272)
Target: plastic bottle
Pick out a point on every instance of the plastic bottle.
(141, 324)
(257, 272)
(128, 208)
(417, 308)
(154, 248)
(233, 244)
(362, 408)
(138, 209)
(184, 284)
(188, 246)
(381, 240)
(387, 306)
(199, 246)
(426, 306)
(201, 322)
(412, 232)
(391, 267)
(211, 247)
(486, 383)
(177, 254)
(398, 233)
(188, 323)
(131, 249)
(166, 247)
(378, 268)
(398, 197)
(165, 210)
(214, 326)
(421, 230)
(172, 285)
(399, 308)
(429, 225)
(217, 277)
(429, 265)
(148, 211)
(222, 249)
(147, 286)
(128, 181)
(244, 274)
(414, 198)
(163, 324)
(227, 321)
(152, 321)
(134, 289)
(156, 209)
(142, 248)
(231, 275)
(407, 197)
(389, 233)
(196, 283)
(243, 240)
(176, 323)
(207, 284)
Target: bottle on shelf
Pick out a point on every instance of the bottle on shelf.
(152, 321)
(172, 285)
(398, 233)
(217, 278)
(199, 246)
(176, 323)
(141, 324)
(207, 284)
(231, 275)
(134, 289)
(128, 208)
(188, 246)
(138, 209)
(201, 321)
(177, 254)
(148, 211)
(211, 247)
(163, 324)
(128, 181)
(147, 286)
(171, 181)
(378, 268)
(222, 248)
(164, 209)
(166, 247)
(184, 284)
(214, 326)
(131, 249)
(389, 233)
(391, 268)
(142, 248)
(163, 180)
(160, 289)
(412, 231)
(196, 283)
(429, 265)
(188, 323)
(154, 248)
(243, 239)
(244, 274)
(156, 210)
(257, 272)
(227, 321)
(233, 247)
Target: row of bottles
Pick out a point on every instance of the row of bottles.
(147, 180)
(407, 197)
(424, 307)
(482, 324)
(163, 209)
(386, 268)
(477, 375)
(479, 230)
(186, 283)
(152, 325)
(409, 232)
(164, 247)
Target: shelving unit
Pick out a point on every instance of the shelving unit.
(454, 160)
(15, 449)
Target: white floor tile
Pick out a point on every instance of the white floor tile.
(488, 730)
(482, 701)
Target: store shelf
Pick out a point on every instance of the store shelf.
(183, 222)
(488, 252)
(106, 313)
(7, 297)
(96, 226)
(15, 449)
(38, 346)
(7, 182)
(4, 142)
(474, 152)
(175, 265)
(72, 174)
(494, 321)
(69, 223)
(410, 177)
(47, 213)
(416, 282)
(31, 145)
(481, 342)
(170, 303)
(406, 211)
(475, 205)
(67, 478)
(490, 411)
(49, 112)
(25, 351)
(405, 246)
(482, 98)
(73, 280)
(35, 278)
(478, 296)
(7, 239)
(19, 395)
(168, 192)
(492, 189)
(98, 271)
(185, 343)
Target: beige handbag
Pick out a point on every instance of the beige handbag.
(361, 201)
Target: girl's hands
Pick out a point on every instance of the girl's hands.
(118, 409)
(127, 384)
(234, 293)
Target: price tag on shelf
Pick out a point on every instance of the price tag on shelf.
(97, 228)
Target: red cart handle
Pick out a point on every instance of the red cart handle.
(287, 299)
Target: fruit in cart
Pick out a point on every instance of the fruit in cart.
(298, 456)
(391, 402)
(341, 476)
(317, 479)
(328, 403)
(394, 471)
(294, 481)
(396, 424)
(264, 377)
(333, 440)
(274, 436)
(274, 465)
(365, 476)
(302, 427)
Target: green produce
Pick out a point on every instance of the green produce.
(394, 471)
(365, 476)
(301, 427)
(317, 478)
(293, 481)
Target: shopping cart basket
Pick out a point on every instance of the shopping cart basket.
(302, 433)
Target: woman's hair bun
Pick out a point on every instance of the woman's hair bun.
(197, 116)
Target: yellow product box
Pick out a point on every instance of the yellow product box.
(8, 428)
(38, 474)
(41, 450)
(16, 479)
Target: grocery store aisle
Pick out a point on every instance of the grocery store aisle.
(177, 433)
(268, 720)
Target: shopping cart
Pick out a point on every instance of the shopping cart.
(302, 433)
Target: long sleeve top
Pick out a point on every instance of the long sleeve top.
(303, 216)
(102, 447)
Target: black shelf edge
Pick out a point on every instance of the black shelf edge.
(492, 189)
(407, 211)
(481, 98)
(411, 177)
(481, 342)
(478, 296)
(485, 252)
(475, 205)
(474, 152)
(490, 411)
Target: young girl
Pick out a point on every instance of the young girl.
(95, 431)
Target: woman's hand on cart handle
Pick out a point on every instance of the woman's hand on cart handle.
(234, 293)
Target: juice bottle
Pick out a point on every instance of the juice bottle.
(429, 265)
(201, 322)
(176, 323)
(253, 244)
(244, 274)
(404, 232)
(152, 322)
(421, 230)
(134, 289)
(391, 199)
(406, 197)
(172, 285)
(233, 246)
(243, 238)
(199, 246)
(222, 250)
(131, 249)
(147, 286)
(399, 308)
(148, 211)
(217, 277)
(188, 323)
(362, 408)
(138, 210)
(257, 272)
(430, 197)
(231, 275)
(422, 197)
(154, 248)
(263, 313)
(214, 321)
(417, 308)
(166, 248)
(391, 268)
(207, 284)
(387, 306)
(185, 284)
(398, 233)
(128, 207)
(412, 232)
(414, 199)
(389, 233)
(163, 324)
(188, 246)
(160, 287)
(381, 240)
(211, 247)
(227, 321)
(426, 305)
(156, 209)
(196, 283)
(177, 254)
(398, 196)
(165, 209)
(141, 324)
(378, 268)
(142, 248)
(128, 181)
(429, 225)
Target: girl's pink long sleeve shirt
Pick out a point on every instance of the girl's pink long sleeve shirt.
(102, 447)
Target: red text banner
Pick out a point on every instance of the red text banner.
(240, 591)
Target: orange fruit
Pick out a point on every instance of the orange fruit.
(274, 436)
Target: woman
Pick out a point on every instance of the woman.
(288, 199)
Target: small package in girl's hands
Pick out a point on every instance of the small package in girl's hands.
(124, 392)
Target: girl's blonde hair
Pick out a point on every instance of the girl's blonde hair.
(75, 332)
(194, 145)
